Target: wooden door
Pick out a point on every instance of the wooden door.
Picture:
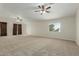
(19, 29)
(14, 29)
(3, 30)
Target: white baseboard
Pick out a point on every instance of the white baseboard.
(52, 37)
(11, 36)
(77, 42)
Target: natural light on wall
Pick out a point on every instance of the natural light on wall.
(54, 27)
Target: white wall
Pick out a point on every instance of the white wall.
(77, 27)
(68, 28)
(40, 28)
(29, 27)
(10, 23)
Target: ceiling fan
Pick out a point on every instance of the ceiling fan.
(19, 19)
(44, 8)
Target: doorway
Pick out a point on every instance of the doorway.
(17, 29)
(3, 29)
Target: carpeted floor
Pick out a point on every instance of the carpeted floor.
(37, 46)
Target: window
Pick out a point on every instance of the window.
(54, 27)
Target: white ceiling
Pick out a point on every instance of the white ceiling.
(26, 10)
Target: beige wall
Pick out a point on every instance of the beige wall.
(68, 28)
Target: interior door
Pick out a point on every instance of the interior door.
(19, 29)
(3, 29)
(14, 29)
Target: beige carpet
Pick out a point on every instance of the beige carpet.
(37, 46)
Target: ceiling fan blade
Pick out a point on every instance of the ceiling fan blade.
(46, 4)
(43, 7)
(48, 7)
(18, 18)
(37, 11)
(39, 6)
(51, 3)
(48, 11)
(41, 13)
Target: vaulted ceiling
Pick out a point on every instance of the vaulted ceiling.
(26, 10)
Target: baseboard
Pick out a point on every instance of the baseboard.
(77, 42)
(52, 38)
(12, 36)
